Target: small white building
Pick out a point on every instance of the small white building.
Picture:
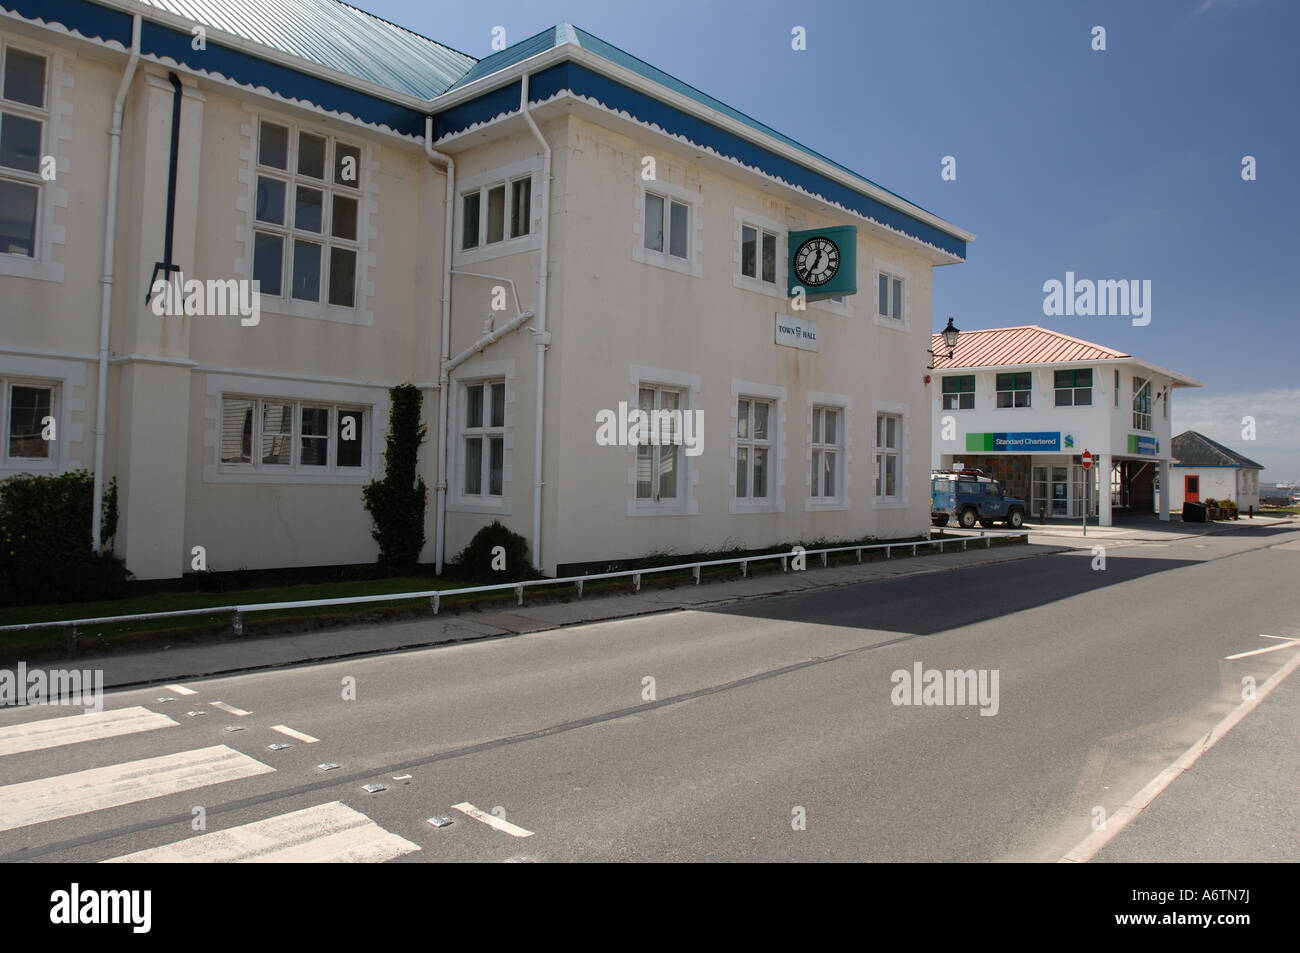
(1024, 403)
(1204, 469)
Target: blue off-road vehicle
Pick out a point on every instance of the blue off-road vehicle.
(970, 497)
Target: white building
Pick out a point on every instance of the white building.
(625, 238)
(1204, 469)
(1024, 403)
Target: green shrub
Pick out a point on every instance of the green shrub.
(45, 541)
(396, 503)
(475, 560)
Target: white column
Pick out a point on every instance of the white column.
(1103, 462)
(1164, 490)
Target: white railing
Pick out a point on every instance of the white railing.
(435, 596)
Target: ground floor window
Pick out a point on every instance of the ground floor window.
(25, 410)
(270, 434)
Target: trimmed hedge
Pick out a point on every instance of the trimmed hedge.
(475, 560)
(45, 541)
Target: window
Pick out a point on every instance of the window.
(478, 228)
(484, 439)
(25, 407)
(889, 297)
(22, 130)
(1141, 403)
(676, 225)
(1013, 389)
(959, 392)
(658, 459)
(888, 440)
(273, 435)
(827, 451)
(753, 448)
(1074, 388)
(1117, 387)
(307, 216)
(758, 253)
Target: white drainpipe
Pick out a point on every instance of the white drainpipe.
(540, 334)
(106, 282)
(440, 488)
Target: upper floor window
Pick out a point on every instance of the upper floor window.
(889, 296)
(23, 112)
(827, 451)
(487, 219)
(1141, 403)
(758, 253)
(26, 410)
(753, 447)
(1074, 388)
(484, 439)
(271, 434)
(959, 392)
(1014, 389)
(1116, 387)
(307, 216)
(667, 225)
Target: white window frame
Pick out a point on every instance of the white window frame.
(50, 462)
(880, 453)
(486, 432)
(843, 403)
(762, 227)
(1028, 390)
(1074, 388)
(688, 386)
(296, 467)
(774, 502)
(690, 265)
(1139, 416)
(482, 183)
(943, 396)
(477, 371)
(894, 272)
(904, 414)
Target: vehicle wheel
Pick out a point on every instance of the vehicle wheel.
(987, 523)
(1016, 519)
(941, 520)
(968, 518)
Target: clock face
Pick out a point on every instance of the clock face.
(816, 261)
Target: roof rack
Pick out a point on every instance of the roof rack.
(975, 471)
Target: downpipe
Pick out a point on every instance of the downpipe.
(440, 486)
(541, 335)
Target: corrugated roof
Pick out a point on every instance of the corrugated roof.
(1193, 449)
(334, 35)
(999, 347)
(516, 53)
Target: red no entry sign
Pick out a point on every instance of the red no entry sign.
(1087, 459)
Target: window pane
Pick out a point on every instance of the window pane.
(270, 200)
(28, 406)
(828, 473)
(742, 471)
(769, 257)
(17, 218)
(1064, 378)
(760, 420)
(236, 430)
(349, 434)
(20, 143)
(760, 472)
(24, 78)
(306, 271)
(1022, 398)
(643, 465)
(347, 165)
(311, 155)
(474, 466)
(1004, 398)
(307, 210)
(891, 424)
(474, 406)
(677, 240)
(742, 419)
(1083, 397)
(343, 223)
(891, 472)
(521, 206)
(469, 232)
(667, 472)
(496, 466)
(898, 299)
(817, 425)
(967, 401)
(343, 277)
(498, 405)
(1004, 381)
(273, 146)
(268, 262)
(816, 472)
(832, 419)
(277, 433)
(1083, 378)
(496, 214)
(654, 222)
(1063, 398)
(748, 251)
(882, 292)
(314, 437)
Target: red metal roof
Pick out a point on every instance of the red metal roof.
(1000, 347)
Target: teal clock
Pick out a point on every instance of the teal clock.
(823, 261)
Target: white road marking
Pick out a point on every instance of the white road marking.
(286, 730)
(180, 690)
(1087, 848)
(53, 732)
(230, 709)
(491, 820)
(82, 792)
(1286, 644)
(327, 833)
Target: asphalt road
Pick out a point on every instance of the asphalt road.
(758, 715)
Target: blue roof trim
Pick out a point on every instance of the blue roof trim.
(515, 53)
(585, 82)
(77, 16)
(478, 110)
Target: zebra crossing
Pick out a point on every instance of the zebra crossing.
(330, 832)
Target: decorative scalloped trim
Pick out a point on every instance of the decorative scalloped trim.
(58, 27)
(478, 125)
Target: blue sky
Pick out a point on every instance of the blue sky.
(1117, 164)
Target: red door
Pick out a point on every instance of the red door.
(1192, 489)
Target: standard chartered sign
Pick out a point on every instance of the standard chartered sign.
(1013, 442)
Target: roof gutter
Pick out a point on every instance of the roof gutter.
(106, 286)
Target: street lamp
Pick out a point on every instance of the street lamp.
(949, 339)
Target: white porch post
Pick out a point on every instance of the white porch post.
(1164, 490)
(1103, 463)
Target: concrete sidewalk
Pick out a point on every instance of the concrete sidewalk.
(1144, 530)
(238, 655)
